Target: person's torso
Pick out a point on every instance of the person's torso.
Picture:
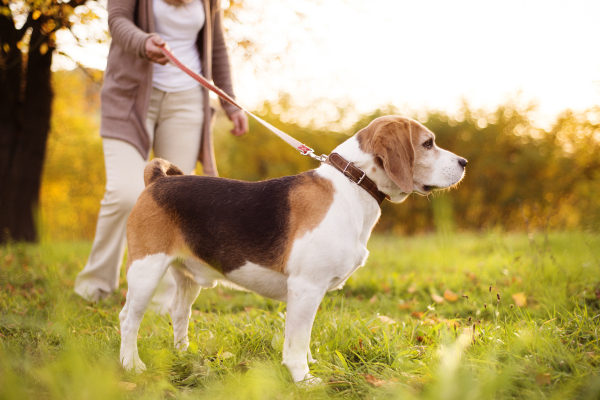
(179, 27)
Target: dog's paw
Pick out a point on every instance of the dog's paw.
(136, 366)
(309, 381)
(181, 346)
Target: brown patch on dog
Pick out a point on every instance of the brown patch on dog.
(150, 230)
(310, 199)
(391, 139)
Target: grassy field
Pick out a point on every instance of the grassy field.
(402, 327)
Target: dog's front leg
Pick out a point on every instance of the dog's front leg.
(303, 299)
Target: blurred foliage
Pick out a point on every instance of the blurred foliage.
(73, 179)
(46, 17)
(519, 177)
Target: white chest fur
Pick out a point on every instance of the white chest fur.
(331, 252)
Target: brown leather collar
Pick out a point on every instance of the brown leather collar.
(356, 175)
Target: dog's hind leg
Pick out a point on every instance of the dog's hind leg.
(187, 291)
(143, 278)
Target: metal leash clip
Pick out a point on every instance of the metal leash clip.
(311, 154)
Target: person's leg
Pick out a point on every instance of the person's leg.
(179, 129)
(177, 135)
(124, 183)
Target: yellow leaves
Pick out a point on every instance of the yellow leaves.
(127, 386)
(407, 305)
(450, 296)
(49, 26)
(386, 320)
(43, 48)
(6, 47)
(542, 379)
(417, 314)
(520, 299)
(437, 298)
(373, 380)
(36, 14)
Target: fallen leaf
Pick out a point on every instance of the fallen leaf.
(450, 296)
(224, 295)
(471, 275)
(386, 320)
(542, 379)
(225, 355)
(520, 299)
(450, 323)
(406, 305)
(128, 386)
(438, 299)
(417, 314)
(412, 289)
(374, 381)
(373, 299)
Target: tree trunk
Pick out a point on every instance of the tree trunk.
(25, 107)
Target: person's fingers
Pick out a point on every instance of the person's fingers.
(242, 124)
(245, 126)
(238, 123)
(157, 40)
(234, 130)
(153, 49)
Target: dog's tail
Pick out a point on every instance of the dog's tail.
(159, 168)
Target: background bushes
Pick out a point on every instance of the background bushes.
(519, 176)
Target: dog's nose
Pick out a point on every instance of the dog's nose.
(462, 162)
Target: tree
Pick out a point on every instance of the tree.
(27, 41)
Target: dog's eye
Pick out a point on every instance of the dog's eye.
(428, 144)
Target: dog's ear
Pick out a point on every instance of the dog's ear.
(392, 145)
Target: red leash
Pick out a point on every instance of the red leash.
(302, 148)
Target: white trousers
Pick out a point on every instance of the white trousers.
(174, 124)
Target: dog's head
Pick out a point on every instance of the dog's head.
(406, 158)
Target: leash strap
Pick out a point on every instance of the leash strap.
(302, 148)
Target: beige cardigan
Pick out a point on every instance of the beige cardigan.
(128, 77)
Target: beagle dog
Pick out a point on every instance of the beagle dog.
(290, 239)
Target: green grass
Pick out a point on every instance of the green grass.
(382, 336)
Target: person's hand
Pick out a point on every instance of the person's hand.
(240, 123)
(153, 45)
